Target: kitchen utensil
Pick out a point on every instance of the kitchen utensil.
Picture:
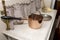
(46, 17)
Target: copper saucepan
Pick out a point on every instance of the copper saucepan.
(35, 21)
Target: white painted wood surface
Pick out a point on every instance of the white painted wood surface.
(2, 28)
(24, 32)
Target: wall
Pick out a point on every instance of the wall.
(10, 2)
(48, 3)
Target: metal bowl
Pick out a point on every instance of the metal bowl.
(46, 17)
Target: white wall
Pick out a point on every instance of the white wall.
(10, 2)
(48, 3)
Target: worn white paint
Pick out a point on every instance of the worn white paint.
(24, 32)
(2, 28)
